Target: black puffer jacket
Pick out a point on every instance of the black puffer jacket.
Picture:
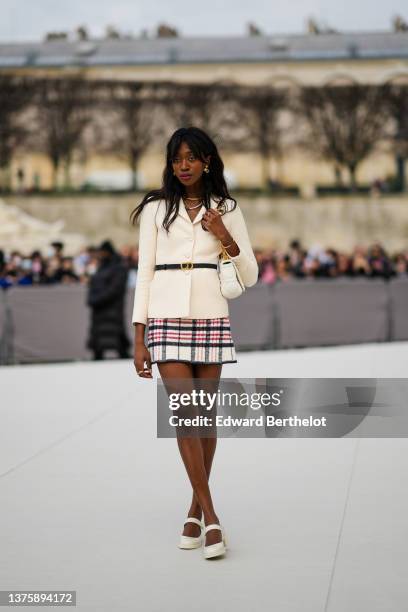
(106, 297)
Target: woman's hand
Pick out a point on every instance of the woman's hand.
(142, 355)
(212, 222)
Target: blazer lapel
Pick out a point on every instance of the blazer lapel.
(200, 214)
(183, 213)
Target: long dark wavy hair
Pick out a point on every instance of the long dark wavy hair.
(171, 190)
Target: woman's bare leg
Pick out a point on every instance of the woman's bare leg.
(204, 371)
(192, 448)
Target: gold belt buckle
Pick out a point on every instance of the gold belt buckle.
(186, 266)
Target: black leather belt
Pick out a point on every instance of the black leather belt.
(187, 265)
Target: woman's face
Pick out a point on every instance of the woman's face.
(187, 167)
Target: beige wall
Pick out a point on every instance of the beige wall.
(301, 72)
(337, 222)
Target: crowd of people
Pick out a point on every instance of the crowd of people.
(297, 261)
(318, 262)
(53, 266)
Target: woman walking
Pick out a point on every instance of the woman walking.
(178, 297)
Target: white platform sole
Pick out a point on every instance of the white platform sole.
(216, 550)
(188, 542)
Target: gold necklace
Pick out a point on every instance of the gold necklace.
(192, 207)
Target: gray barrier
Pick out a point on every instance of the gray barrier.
(322, 312)
(398, 298)
(252, 318)
(51, 323)
(6, 330)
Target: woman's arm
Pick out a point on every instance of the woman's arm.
(146, 263)
(141, 353)
(245, 260)
(145, 272)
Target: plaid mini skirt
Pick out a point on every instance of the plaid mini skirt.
(191, 340)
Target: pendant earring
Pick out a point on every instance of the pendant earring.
(206, 169)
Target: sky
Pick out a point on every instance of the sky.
(28, 20)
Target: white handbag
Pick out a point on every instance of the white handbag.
(231, 283)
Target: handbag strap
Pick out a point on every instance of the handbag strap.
(224, 253)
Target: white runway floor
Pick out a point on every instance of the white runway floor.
(92, 501)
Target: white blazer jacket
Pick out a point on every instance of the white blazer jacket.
(186, 293)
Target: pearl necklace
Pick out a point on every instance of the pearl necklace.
(192, 207)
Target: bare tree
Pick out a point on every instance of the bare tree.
(200, 104)
(128, 120)
(214, 107)
(237, 117)
(396, 100)
(191, 104)
(261, 108)
(345, 123)
(64, 109)
(15, 95)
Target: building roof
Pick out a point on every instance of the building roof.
(209, 49)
